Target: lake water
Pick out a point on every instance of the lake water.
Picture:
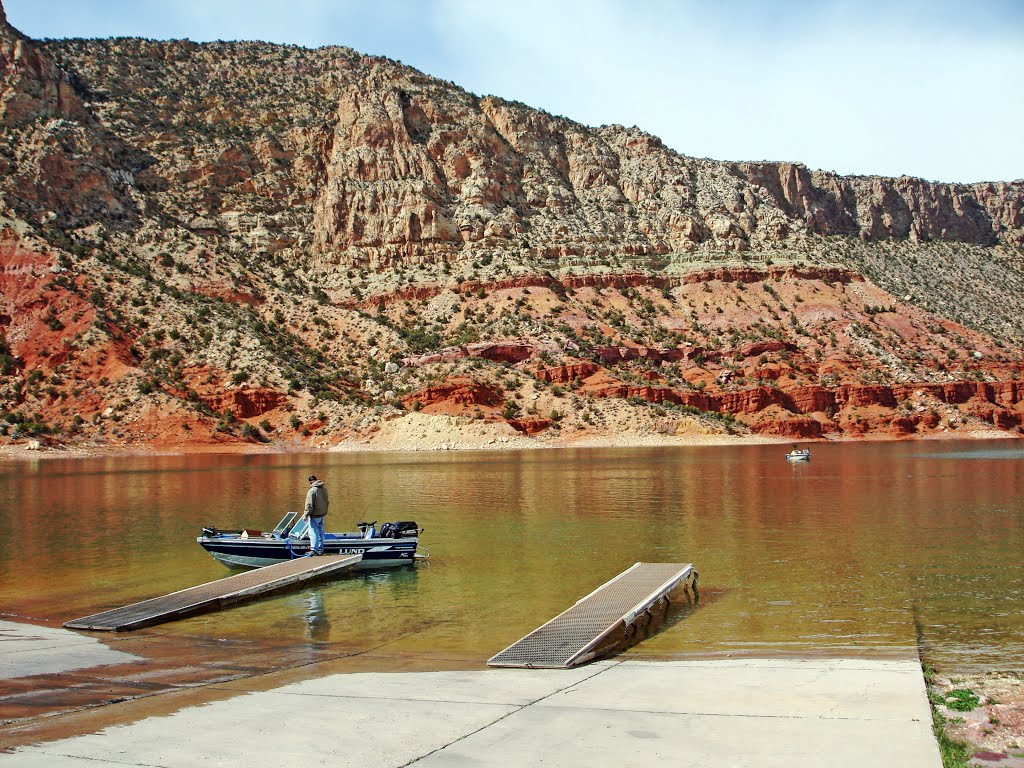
(868, 549)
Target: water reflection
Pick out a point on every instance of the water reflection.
(828, 555)
(680, 604)
(318, 625)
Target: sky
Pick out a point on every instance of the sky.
(928, 88)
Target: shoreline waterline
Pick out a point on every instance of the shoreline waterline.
(476, 704)
(454, 444)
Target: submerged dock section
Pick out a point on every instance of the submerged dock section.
(585, 630)
(215, 595)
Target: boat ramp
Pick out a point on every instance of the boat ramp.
(597, 621)
(215, 595)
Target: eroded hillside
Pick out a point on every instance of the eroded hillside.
(210, 243)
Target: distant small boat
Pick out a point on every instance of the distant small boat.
(799, 454)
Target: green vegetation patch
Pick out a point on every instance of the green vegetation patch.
(955, 754)
(961, 700)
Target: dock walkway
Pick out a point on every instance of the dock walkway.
(578, 634)
(215, 595)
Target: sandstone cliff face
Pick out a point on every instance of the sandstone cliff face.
(308, 241)
(34, 86)
(873, 208)
(58, 162)
(473, 174)
(380, 165)
(361, 163)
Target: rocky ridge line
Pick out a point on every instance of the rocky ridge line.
(208, 242)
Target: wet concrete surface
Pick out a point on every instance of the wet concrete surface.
(64, 689)
(621, 712)
(61, 683)
(92, 681)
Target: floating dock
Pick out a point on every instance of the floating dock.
(585, 630)
(215, 595)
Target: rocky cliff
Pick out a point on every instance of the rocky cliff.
(213, 241)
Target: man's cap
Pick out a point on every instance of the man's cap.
(312, 478)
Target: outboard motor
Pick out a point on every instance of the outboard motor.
(405, 528)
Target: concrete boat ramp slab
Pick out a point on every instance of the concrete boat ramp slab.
(27, 650)
(759, 713)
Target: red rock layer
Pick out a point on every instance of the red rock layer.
(246, 403)
(460, 392)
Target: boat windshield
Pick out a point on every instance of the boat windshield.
(286, 522)
(300, 530)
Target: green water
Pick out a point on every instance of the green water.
(867, 549)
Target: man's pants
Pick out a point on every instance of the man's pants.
(316, 535)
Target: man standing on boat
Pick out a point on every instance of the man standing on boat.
(316, 510)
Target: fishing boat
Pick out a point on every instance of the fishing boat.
(799, 454)
(390, 544)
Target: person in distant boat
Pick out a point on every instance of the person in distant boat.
(316, 510)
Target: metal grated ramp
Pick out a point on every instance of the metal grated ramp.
(576, 635)
(215, 594)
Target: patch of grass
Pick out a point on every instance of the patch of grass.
(955, 754)
(961, 700)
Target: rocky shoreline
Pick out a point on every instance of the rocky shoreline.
(425, 433)
(983, 712)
